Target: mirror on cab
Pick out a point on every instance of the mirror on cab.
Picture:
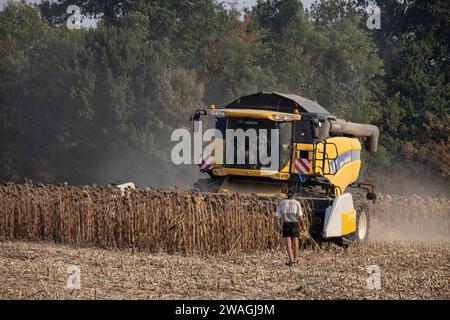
(315, 128)
(196, 118)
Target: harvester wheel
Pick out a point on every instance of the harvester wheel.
(362, 224)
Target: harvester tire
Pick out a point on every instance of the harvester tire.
(362, 224)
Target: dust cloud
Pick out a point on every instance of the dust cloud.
(411, 218)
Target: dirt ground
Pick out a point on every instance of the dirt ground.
(408, 271)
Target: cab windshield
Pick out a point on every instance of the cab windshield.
(248, 149)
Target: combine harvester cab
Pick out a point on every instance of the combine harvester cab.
(318, 158)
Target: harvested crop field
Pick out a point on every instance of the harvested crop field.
(414, 270)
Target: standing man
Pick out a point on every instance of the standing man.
(291, 212)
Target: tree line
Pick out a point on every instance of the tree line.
(99, 104)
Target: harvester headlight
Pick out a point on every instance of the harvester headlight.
(285, 117)
(216, 113)
(218, 172)
(281, 176)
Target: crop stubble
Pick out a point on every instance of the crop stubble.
(417, 270)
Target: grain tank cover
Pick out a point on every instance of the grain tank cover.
(275, 101)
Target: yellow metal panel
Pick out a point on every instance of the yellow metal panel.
(251, 173)
(258, 187)
(347, 174)
(349, 222)
(303, 147)
(257, 114)
(356, 146)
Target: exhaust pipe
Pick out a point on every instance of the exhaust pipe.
(369, 131)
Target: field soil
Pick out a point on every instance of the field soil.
(409, 270)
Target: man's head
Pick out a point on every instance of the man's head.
(290, 194)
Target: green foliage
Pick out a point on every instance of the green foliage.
(233, 62)
(274, 15)
(414, 44)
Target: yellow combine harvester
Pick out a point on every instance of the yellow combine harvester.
(319, 158)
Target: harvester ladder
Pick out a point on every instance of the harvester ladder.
(325, 157)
